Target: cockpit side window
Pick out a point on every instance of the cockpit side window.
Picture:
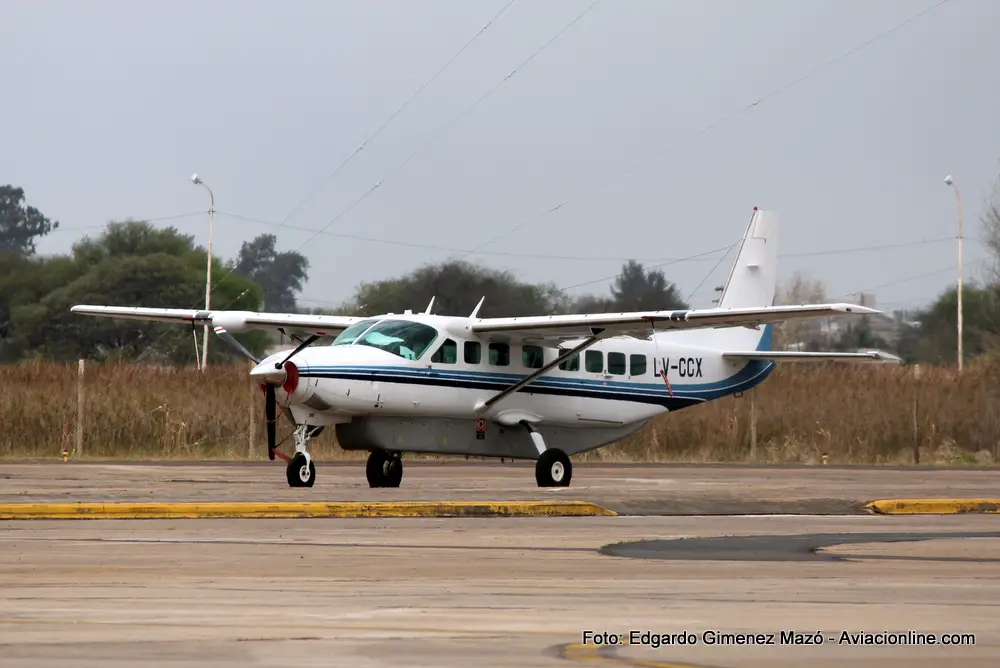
(405, 338)
(351, 334)
(447, 353)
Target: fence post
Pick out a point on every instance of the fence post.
(753, 428)
(79, 408)
(916, 413)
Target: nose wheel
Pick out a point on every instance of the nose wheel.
(301, 471)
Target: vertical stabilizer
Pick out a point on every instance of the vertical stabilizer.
(754, 275)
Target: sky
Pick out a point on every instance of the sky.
(564, 138)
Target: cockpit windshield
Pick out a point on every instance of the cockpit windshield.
(399, 337)
(350, 335)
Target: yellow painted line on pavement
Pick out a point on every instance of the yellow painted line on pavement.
(128, 510)
(933, 506)
(606, 655)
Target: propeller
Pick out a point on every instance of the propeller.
(298, 349)
(270, 402)
(235, 345)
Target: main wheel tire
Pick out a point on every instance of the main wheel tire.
(394, 471)
(299, 473)
(384, 469)
(553, 469)
(375, 468)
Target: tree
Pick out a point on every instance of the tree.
(638, 289)
(991, 231)
(20, 224)
(594, 304)
(130, 264)
(281, 275)
(800, 289)
(457, 286)
(936, 339)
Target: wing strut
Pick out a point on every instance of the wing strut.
(483, 405)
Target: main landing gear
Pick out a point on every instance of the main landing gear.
(552, 468)
(384, 469)
(301, 471)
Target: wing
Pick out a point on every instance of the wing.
(793, 356)
(552, 329)
(234, 322)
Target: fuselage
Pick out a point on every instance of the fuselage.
(432, 367)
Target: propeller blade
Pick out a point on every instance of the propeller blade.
(270, 406)
(298, 349)
(235, 345)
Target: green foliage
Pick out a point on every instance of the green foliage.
(131, 263)
(280, 275)
(639, 289)
(457, 287)
(935, 340)
(20, 224)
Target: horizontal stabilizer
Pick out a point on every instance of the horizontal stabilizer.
(794, 356)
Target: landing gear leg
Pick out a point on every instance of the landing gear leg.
(553, 468)
(301, 471)
(384, 469)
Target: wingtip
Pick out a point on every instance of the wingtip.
(855, 308)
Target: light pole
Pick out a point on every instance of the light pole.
(208, 271)
(951, 182)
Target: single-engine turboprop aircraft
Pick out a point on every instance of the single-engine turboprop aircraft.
(539, 388)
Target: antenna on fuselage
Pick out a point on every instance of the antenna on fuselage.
(478, 306)
(427, 311)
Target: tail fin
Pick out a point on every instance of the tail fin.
(753, 278)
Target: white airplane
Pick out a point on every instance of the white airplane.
(539, 387)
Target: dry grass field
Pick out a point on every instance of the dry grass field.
(852, 414)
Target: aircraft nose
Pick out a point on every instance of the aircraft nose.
(266, 373)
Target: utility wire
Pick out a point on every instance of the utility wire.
(453, 121)
(544, 256)
(600, 184)
(725, 119)
(642, 161)
(397, 112)
(437, 135)
(158, 219)
(405, 162)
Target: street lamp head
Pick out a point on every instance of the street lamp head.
(195, 179)
(948, 180)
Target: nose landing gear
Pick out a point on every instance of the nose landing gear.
(301, 470)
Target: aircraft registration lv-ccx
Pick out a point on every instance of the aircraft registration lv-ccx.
(540, 388)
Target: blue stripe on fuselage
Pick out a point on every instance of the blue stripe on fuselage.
(654, 392)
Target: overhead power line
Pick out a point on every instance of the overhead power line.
(549, 256)
(721, 121)
(158, 219)
(434, 138)
(454, 121)
(389, 120)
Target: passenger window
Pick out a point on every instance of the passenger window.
(616, 363)
(447, 353)
(637, 364)
(571, 363)
(594, 361)
(532, 356)
(473, 352)
(499, 354)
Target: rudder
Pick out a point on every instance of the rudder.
(753, 278)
